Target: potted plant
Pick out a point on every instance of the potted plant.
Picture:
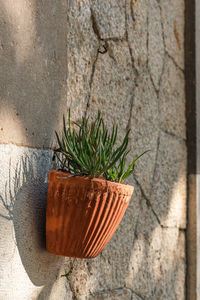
(86, 197)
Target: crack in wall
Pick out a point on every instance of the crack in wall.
(164, 42)
(148, 202)
(175, 63)
(91, 82)
(155, 164)
(147, 45)
(151, 78)
(115, 39)
(128, 126)
(135, 235)
(97, 34)
(134, 293)
(157, 90)
(135, 71)
(127, 38)
(94, 25)
(102, 43)
(132, 99)
(179, 138)
(161, 76)
(110, 51)
(162, 25)
(131, 10)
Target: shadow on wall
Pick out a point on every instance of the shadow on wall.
(25, 204)
(33, 57)
(33, 73)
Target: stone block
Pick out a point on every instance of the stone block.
(144, 130)
(137, 13)
(173, 29)
(172, 100)
(112, 86)
(156, 49)
(157, 263)
(110, 18)
(169, 186)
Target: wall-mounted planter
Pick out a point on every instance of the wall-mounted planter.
(82, 213)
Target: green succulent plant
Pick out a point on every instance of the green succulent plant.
(90, 149)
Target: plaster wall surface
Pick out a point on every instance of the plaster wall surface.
(125, 58)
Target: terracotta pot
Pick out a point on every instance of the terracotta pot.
(82, 214)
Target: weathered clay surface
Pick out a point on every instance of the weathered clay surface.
(126, 59)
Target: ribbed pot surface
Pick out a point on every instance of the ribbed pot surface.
(82, 213)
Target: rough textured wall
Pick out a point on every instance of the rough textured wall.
(127, 59)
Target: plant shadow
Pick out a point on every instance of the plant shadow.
(24, 204)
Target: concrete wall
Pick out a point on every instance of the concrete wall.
(127, 59)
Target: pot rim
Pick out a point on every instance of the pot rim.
(56, 174)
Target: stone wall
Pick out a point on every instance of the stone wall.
(125, 58)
